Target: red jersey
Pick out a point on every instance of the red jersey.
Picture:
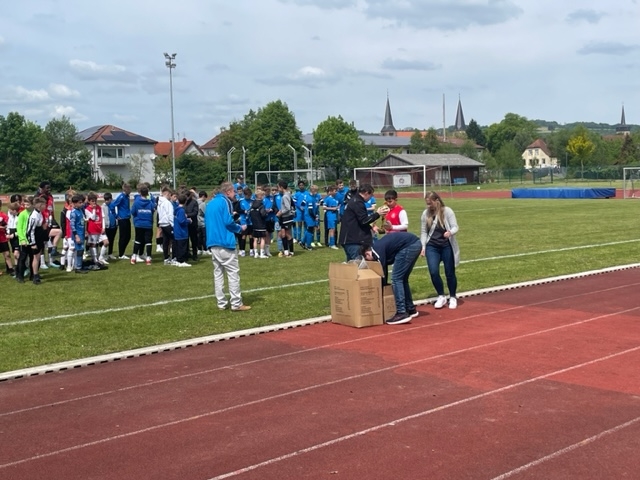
(47, 212)
(4, 219)
(393, 217)
(93, 215)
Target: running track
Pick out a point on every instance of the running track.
(540, 382)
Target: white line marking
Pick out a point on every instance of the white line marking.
(568, 449)
(355, 377)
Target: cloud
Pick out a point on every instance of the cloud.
(398, 64)
(217, 67)
(323, 4)
(443, 14)
(589, 16)
(67, 111)
(88, 70)
(124, 118)
(17, 95)
(608, 48)
(310, 77)
(62, 91)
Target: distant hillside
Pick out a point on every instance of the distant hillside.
(602, 128)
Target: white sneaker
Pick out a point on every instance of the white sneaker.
(441, 301)
(184, 264)
(262, 255)
(159, 249)
(242, 253)
(139, 259)
(112, 257)
(103, 261)
(251, 252)
(43, 266)
(168, 261)
(453, 303)
(333, 247)
(124, 257)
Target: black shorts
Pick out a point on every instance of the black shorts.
(259, 233)
(4, 247)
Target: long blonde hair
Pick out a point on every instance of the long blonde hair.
(436, 210)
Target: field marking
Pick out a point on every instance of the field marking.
(264, 289)
(568, 449)
(349, 378)
(298, 352)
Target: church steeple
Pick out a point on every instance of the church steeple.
(460, 125)
(388, 130)
(623, 129)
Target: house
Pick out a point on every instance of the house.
(117, 151)
(183, 147)
(538, 155)
(210, 148)
(430, 169)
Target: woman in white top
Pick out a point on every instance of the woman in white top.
(438, 228)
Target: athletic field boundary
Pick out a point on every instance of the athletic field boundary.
(193, 342)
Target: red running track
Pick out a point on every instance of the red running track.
(538, 382)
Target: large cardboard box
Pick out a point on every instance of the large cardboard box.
(388, 302)
(356, 294)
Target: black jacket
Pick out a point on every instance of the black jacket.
(355, 223)
(191, 208)
(258, 216)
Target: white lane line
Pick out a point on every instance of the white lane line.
(302, 351)
(415, 416)
(570, 448)
(356, 377)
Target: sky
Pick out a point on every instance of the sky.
(103, 63)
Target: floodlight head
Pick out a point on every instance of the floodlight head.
(166, 55)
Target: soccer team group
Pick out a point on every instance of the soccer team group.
(30, 235)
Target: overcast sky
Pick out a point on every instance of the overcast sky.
(102, 63)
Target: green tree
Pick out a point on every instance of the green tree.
(468, 149)
(512, 126)
(475, 133)
(70, 161)
(509, 159)
(337, 145)
(417, 144)
(581, 147)
(137, 168)
(200, 170)
(23, 155)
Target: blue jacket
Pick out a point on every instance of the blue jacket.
(180, 224)
(77, 224)
(219, 224)
(122, 206)
(142, 212)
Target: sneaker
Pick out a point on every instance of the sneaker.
(148, 261)
(54, 264)
(222, 309)
(263, 255)
(139, 259)
(183, 264)
(241, 308)
(124, 257)
(103, 261)
(36, 279)
(168, 261)
(413, 313)
(112, 257)
(453, 302)
(44, 267)
(159, 249)
(242, 253)
(280, 254)
(333, 247)
(289, 255)
(133, 260)
(440, 302)
(398, 319)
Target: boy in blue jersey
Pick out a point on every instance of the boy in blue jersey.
(181, 233)
(268, 203)
(122, 206)
(300, 201)
(245, 219)
(110, 224)
(142, 213)
(331, 207)
(77, 221)
(317, 203)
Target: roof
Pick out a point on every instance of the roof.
(433, 159)
(111, 134)
(539, 143)
(163, 149)
(212, 144)
(388, 120)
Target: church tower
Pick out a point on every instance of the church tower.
(460, 125)
(623, 129)
(388, 130)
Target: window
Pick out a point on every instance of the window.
(110, 152)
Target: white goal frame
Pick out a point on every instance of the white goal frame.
(444, 179)
(296, 174)
(631, 182)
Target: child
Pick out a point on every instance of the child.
(202, 235)
(4, 241)
(36, 237)
(12, 236)
(77, 224)
(269, 205)
(258, 215)
(142, 213)
(68, 245)
(317, 200)
(245, 219)
(26, 254)
(96, 230)
(110, 224)
(331, 208)
(165, 222)
(181, 233)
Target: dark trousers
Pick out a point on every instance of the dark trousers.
(193, 237)
(167, 240)
(124, 226)
(111, 236)
(181, 250)
(24, 261)
(142, 241)
(202, 238)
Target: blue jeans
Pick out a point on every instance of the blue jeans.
(402, 267)
(352, 250)
(443, 254)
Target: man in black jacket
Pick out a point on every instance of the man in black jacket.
(355, 229)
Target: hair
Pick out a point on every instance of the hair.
(226, 186)
(283, 184)
(39, 202)
(144, 190)
(314, 187)
(76, 198)
(390, 195)
(45, 184)
(436, 211)
(353, 184)
(259, 193)
(107, 196)
(302, 182)
(182, 198)
(246, 191)
(365, 188)
(16, 197)
(28, 199)
(339, 181)
(92, 196)
(331, 189)
(202, 193)
(364, 249)
(14, 206)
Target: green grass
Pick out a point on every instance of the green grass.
(502, 241)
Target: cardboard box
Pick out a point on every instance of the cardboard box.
(356, 294)
(388, 302)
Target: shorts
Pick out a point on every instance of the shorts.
(259, 233)
(97, 238)
(331, 223)
(4, 247)
(69, 244)
(54, 224)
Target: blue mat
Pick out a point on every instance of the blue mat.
(563, 193)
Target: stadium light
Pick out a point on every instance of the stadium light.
(309, 160)
(171, 64)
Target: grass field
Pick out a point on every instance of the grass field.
(502, 241)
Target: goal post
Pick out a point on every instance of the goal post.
(271, 177)
(631, 182)
(403, 177)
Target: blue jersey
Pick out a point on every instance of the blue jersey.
(370, 203)
(331, 202)
(180, 224)
(268, 206)
(122, 206)
(245, 206)
(77, 220)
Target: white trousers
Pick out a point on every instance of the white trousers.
(226, 261)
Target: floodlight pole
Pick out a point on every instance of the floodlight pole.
(295, 162)
(170, 63)
(229, 152)
(244, 162)
(309, 160)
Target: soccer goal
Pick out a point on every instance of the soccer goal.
(403, 177)
(631, 182)
(292, 177)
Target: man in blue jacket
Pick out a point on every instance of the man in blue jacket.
(221, 242)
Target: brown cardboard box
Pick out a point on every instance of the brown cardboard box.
(356, 294)
(388, 302)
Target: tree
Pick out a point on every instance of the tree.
(509, 159)
(69, 159)
(581, 147)
(474, 133)
(417, 144)
(200, 170)
(137, 168)
(23, 154)
(337, 145)
(508, 129)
